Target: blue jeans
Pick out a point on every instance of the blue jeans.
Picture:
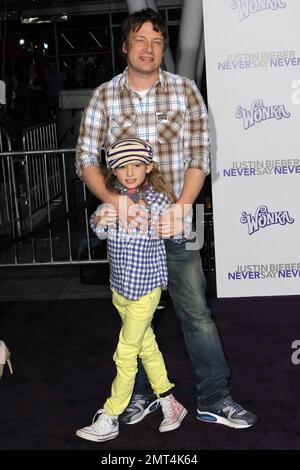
(187, 285)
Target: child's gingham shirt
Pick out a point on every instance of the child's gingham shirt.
(138, 258)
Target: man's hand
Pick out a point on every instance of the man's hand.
(171, 222)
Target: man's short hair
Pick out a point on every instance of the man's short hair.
(134, 21)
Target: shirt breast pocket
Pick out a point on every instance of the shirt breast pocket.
(169, 126)
(123, 126)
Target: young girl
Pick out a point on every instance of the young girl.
(138, 273)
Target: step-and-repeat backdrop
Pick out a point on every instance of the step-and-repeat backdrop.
(253, 80)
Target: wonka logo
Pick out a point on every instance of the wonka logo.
(259, 112)
(263, 218)
(248, 7)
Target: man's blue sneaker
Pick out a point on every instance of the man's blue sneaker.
(139, 407)
(228, 413)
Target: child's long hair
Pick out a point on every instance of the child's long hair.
(155, 179)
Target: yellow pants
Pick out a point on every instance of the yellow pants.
(136, 339)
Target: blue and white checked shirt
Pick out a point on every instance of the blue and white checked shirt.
(137, 259)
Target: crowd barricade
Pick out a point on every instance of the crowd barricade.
(46, 223)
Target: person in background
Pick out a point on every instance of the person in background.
(77, 78)
(37, 96)
(168, 111)
(55, 80)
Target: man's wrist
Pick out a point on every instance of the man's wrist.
(112, 199)
(185, 207)
(184, 202)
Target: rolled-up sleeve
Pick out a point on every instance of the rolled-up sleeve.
(92, 133)
(196, 134)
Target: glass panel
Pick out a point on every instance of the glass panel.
(84, 52)
(174, 14)
(34, 28)
(86, 20)
(38, 43)
(86, 72)
(118, 18)
(84, 40)
(173, 38)
(120, 61)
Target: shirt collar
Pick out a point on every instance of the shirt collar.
(145, 190)
(123, 83)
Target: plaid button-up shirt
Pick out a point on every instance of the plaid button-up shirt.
(172, 117)
(137, 259)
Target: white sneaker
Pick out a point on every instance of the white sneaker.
(173, 412)
(103, 428)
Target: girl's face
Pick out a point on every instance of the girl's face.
(132, 175)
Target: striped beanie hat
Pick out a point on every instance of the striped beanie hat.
(131, 150)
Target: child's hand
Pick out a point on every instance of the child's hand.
(139, 217)
(105, 216)
(171, 222)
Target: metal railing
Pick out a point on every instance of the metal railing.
(27, 175)
(41, 137)
(5, 141)
(7, 185)
(45, 210)
(60, 233)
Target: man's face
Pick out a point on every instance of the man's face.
(144, 50)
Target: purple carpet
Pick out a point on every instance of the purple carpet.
(62, 360)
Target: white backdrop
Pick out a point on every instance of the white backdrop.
(253, 79)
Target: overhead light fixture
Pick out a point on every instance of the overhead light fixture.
(58, 18)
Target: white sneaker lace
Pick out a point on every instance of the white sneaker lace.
(102, 421)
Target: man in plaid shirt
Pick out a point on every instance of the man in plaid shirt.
(168, 111)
